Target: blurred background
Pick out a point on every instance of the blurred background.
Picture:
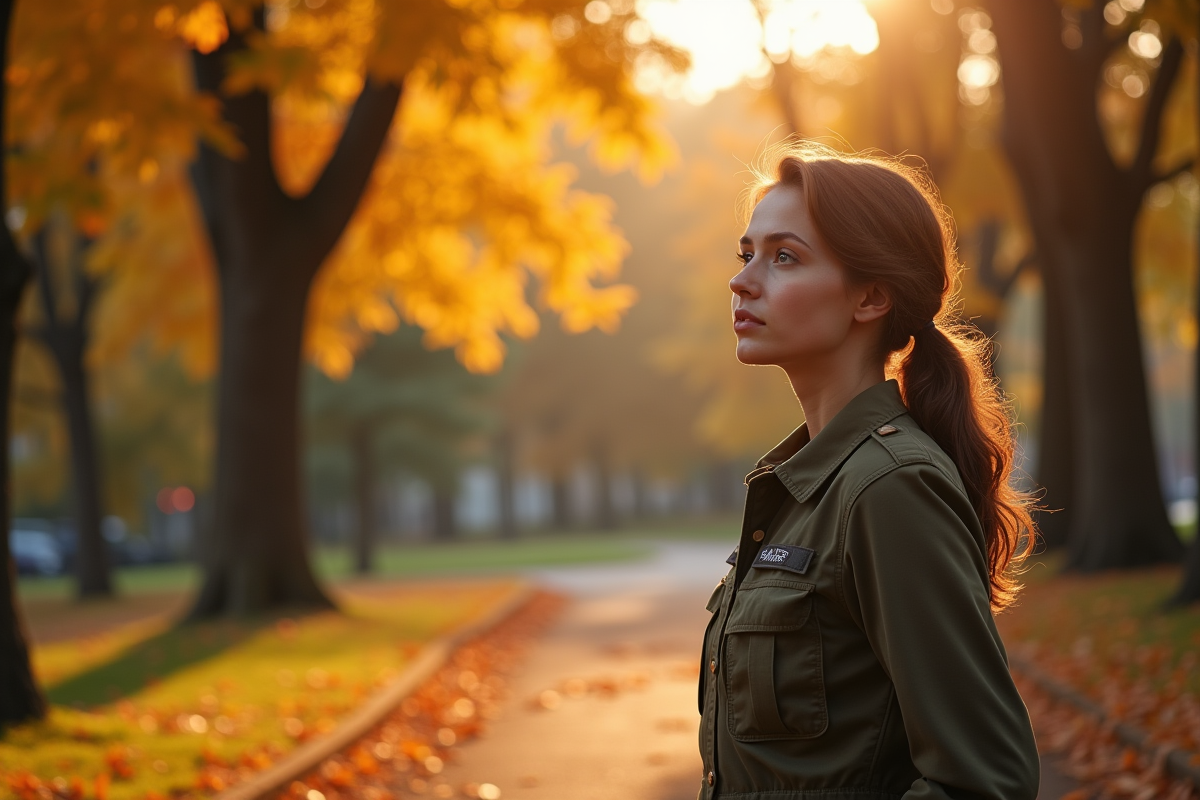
(553, 416)
(313, 289)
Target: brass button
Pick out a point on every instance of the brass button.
(757, 536)
(712, 666)
(711, 778)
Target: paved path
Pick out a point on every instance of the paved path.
(618, 673)
(604, 705)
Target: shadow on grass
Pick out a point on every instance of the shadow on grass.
(151, 660)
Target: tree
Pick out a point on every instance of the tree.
(1082, 206)
(67, 295)
(403, 408)
(1189, 587)
(78, 78)
(20, 697)
(502, 73)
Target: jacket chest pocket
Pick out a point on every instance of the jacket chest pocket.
(775, 686)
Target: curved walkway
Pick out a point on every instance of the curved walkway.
(604, 705)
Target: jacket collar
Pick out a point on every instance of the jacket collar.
(802, 464)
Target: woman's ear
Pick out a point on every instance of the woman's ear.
(874, 303)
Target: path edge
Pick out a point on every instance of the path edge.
(1176, 763)
(359, 722)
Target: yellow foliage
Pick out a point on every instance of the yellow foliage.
(465, 205)
(204, 27)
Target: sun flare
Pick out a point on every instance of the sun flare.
(731, 41)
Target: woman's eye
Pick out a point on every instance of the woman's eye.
(783, 258)
(744, 258)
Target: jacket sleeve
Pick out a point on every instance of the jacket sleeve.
(916, 578)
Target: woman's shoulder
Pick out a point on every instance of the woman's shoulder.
(907, 495)
(901, 450)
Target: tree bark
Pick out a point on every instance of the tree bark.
(1082, 209)
(560, 502)
(506, 479)
(64, 333)
(606, 512)
(444, 528)
(1189, 588)
(1055, 448)
(364, 495)
(20, 697)
(268, 248)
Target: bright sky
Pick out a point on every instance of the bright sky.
(727, 40)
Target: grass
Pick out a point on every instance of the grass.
(141, 715)
(468, 556)
(141, 706)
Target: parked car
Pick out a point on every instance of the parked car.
(35, 552)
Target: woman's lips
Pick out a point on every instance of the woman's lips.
(745, 321)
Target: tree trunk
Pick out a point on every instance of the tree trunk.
(1189, 588)
(364, 496)
(505, 469)
(606, 512)
(1054, 473)
(268, 247)
(560, 501)
(64, 333)
(92, 565)
(20, 698)
(444, 529)
(1082, 208)
(258, 556)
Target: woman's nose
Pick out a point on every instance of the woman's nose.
(744, 283)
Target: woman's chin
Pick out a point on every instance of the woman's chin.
(753, 356)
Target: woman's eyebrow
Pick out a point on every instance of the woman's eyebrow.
(777, 236)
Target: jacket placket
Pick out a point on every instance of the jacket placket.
(764, 496)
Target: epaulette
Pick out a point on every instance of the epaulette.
(903, 446)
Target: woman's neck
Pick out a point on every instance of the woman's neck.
(824, 392)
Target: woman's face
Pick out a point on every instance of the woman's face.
(792, 304)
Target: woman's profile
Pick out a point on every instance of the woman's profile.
(852, 651)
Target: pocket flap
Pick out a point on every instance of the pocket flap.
(772, 606)
(714, 602)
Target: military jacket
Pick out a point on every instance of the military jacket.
(852, 652)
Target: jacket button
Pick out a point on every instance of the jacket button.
(757, 536)
(712, 666)
(711, 778)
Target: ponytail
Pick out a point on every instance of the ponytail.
(883, 221)
(950, 393)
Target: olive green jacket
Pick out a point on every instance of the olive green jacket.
(852, 651)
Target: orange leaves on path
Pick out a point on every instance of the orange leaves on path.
(1108, 638)
(408, 752)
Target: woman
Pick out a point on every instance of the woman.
(852, 651)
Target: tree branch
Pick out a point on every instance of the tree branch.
(1027, 261)
(1141, 170)
(1174, 172)
(1098, 42)
(327, 208)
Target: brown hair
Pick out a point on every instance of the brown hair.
(883, 221)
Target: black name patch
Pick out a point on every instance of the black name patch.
(793, 558)
(732, 560)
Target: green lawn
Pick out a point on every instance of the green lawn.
(468, 556)
(139, 711)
